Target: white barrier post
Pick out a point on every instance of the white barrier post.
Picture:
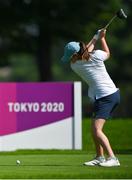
(77, 119)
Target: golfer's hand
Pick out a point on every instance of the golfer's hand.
(97, 35)
(102, 33)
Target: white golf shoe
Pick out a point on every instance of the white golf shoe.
(110, 162)
(95, 161)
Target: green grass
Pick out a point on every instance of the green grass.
(67, 164)
(60, 166)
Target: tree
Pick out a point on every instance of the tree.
(31, 25)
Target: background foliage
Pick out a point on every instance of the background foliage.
(33, 34)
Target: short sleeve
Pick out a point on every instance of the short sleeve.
(100, 55)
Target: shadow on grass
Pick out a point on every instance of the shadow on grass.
(123, 151)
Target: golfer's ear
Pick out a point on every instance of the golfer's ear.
(74, 57)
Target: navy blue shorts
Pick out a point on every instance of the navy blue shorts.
(104, 107)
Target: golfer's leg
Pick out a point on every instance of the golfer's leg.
(98, 146)
(97, 126)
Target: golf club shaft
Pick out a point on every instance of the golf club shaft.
(110, 22)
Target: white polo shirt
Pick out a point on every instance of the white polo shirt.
(94, 73)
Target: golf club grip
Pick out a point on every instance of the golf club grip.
(111, 20)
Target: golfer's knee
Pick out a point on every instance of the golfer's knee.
(97, 132)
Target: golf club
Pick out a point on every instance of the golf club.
(120, 14)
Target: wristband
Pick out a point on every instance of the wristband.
(96, 37)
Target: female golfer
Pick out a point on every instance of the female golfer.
(89, 65)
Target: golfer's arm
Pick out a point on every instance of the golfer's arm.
(105, 46)
(90, 46)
